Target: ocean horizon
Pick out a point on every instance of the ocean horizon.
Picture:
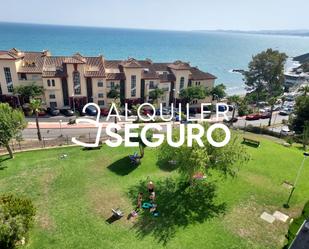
(214, 52)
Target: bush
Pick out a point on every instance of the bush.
(16, 218)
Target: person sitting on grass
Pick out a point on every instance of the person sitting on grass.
(139, 201)
(150, 187)
(152, 196)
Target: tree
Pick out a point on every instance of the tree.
(196, 159)
(114, 93)
(235, 100)
(193, 92)
(266, 75)
(301, 114)
(16, 218)
(271, 102)
(12, 122)
(218, 92)
(304, 90)
(135, 111)
(35, 106)
(28, 92)
(156, 94)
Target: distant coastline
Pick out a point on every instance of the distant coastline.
(301, 33)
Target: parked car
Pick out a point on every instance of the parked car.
(285, 112)
(265, 115)
(123, 112)
(53, 111)
(147, 111)
(231, 108)
(285, 131)
(91, 111)
(254, 116)
(165, 111)
(67, 112)
(222, 108)
(104, 111)
(42, 113)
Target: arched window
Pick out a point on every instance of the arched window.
(182, 83)
(76, 82)
(53, 82)
(48, 82)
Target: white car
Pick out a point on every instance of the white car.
(285, 131)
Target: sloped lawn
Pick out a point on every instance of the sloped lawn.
(74, 197)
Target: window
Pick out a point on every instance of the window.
(23, 76)
(100, 95)
(48, 82)
(52, 96)
(100, 83)
(182, 83)
(112, 84)
(133, 85)
(8, 78)
(53, 82)
(53, 104)
(76, 82)
(151, 85)
(101, 102)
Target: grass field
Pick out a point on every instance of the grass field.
(74, 197)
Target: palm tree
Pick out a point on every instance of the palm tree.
(156, 94)
(235, 100)
(135, 110)
(35, 106)
(304, 90)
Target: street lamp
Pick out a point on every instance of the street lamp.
(306, 154)
(60, 123)
(73, 103)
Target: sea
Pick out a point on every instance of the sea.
(214, 52)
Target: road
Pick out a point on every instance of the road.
(302, 239)
(57, 130)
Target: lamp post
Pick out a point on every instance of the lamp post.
(60, 123)
(306, 154)
(73, 103)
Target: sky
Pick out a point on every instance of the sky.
(162, 14)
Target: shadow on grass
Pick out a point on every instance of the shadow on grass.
(179, 205)
(122, 166)
(250, 144)
(166, 165)
(4, 158)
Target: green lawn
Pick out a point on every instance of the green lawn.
(74, 196)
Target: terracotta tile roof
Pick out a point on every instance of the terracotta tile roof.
(54, 66)
(5, 55)
(167, 77)
(131, 63)
(179, 65)
(112, 63)
(32, 62)
(159, 66)
(94, 67)
(115, 76)
(197, 74)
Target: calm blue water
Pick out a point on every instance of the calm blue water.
(216, 53)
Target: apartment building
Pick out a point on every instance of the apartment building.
(77, 80)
